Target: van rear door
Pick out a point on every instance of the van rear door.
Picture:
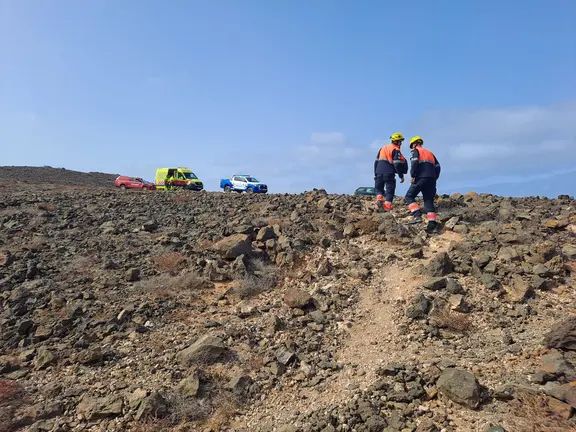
(160, 176)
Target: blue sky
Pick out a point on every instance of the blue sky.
(299, 93)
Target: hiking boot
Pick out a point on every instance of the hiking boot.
(431, 227)
(379, 205)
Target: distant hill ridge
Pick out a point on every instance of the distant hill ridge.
(52, 175)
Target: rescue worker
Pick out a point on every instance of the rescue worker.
(389, 162)
(169, 182)
(424, 173)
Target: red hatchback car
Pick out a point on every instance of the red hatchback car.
(125, 182)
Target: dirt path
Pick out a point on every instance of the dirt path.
(373, 340)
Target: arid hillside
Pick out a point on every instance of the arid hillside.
(139, 311)
(55, 176)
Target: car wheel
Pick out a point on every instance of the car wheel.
(144, 187)
(249, 190)
(123, 186)
(227, 189)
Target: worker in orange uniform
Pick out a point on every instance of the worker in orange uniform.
(389, 162)
(424, 173)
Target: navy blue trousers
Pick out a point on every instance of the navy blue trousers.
(426, 185)
(385, 184)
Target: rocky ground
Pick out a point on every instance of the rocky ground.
(130, 311)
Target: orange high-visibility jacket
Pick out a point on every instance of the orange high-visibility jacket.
(390, 160)
(423, 164)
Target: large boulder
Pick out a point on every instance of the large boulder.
(233, 246)
(518, 290)
(439, 265)
(394, 232)
(207, 349)
(267, 233)
(99, 408)
(460, 386)
(562, 335)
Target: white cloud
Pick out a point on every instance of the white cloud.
(498, 123)
(480, 151)
(482, 148)
(327, 150)
(500, 138)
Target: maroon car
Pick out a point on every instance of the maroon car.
(125, 182)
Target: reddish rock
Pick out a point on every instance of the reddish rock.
(297, 298)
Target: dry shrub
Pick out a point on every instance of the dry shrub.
(212, 412)
(454, 321)
(261, 277)
(35, 246)
(152, 425)
(186, 409)
(62, 313)
(11, 396)
(170, 262)
(10, 390)
(253, 363)
(533, 413)
(226, 407)
(80, 265)
(157, 344)
(250, 286)
(182, 287)
(49, 207)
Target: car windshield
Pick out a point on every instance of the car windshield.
(138, 179)
(190, 176)
(252, 179)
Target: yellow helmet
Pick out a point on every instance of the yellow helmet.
(415, 140)
(397, 137)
